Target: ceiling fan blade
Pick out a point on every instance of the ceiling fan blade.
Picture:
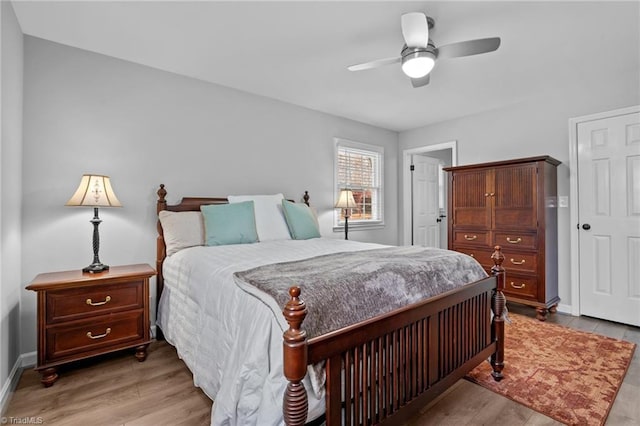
(415, 29)
(468, 48)
(419, 82)
(374, 64)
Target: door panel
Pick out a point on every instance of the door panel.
(426, 228)
(609, 215)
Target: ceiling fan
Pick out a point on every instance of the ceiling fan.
(419, 54)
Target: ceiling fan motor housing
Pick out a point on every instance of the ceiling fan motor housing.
(409, 51)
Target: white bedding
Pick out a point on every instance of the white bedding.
(230, 340)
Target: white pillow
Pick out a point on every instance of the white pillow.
(181, 230)
(270, 221)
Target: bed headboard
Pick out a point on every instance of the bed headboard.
(185, 205)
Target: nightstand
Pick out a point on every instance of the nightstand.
(81, 315)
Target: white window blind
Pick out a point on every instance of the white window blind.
(359, 169)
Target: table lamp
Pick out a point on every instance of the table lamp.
(346, 202)
(95, 191)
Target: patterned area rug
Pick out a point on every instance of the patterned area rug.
(565, 374)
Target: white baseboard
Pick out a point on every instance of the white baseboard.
(23, 361)
(564, 308)
(29, 359)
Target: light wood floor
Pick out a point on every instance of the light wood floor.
(117, 390)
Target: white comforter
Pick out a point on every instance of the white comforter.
(230, 340)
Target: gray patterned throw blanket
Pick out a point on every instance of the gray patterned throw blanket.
(341, 289)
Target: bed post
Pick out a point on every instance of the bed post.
(498, 305)
(295, 404)
(160, 253)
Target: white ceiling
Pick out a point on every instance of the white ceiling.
(298, 52)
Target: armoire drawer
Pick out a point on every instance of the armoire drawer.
(521, 286)
(476, 238)
(483, 256)
(515, 239)
(520, 262)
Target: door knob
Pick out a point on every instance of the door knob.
(586, 226)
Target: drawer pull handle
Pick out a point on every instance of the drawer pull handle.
(106, 300)
(517, 286)
(100, 336)
(515, 262)
(516, 241)
(470, 238)
(486, 194)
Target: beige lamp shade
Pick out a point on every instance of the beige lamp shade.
(346, 201)
(94, 191)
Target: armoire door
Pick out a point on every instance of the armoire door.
(514, 194)
(471, 202)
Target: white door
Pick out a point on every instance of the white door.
(609, 217)
(426, 228)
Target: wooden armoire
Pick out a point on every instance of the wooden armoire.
(512, 204)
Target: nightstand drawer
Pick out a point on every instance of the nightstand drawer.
(100, 332)
(76, 303)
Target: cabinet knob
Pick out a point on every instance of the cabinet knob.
(586, 226)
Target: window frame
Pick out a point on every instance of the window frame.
(338, 224)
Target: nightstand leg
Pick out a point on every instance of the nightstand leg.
(541, 314)
(141, 352)
(49, 376)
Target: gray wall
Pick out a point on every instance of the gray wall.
(89, 113)
(10, 188)
(537, 127)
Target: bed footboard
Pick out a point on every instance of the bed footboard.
(387, 368)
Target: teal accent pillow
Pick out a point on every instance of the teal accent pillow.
(300, 220)
(233, 223)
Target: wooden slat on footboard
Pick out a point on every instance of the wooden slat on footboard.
(376, 368)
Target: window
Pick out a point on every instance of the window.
(359, 168)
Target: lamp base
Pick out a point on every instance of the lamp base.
(96, 267)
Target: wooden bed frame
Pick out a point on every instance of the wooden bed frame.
(385, 369)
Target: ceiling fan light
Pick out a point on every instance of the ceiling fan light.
(418, 64)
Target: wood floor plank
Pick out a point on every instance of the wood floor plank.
(503, 411)
(538, 419)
